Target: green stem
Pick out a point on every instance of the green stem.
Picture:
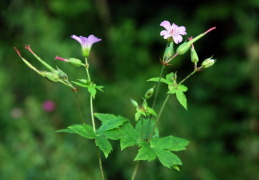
(79, 109)
(187, 77)
(135, 171)
(100, 160)
(92, 112)
(158, 116)
(155, 98)
(91, 97)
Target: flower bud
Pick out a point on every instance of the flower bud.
(174, 77)
(75, 62)
(134, 103)
(169, 51)
(149, 93)
(50, 76)
(62, 75)
(194, 56)
(183, 48)
(208, 62)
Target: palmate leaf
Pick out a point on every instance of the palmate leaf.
(129, 136)
(146, 130)
(109, 121)
(81, 129)
(104, 145)
(161, 148)
(167, 158)
(169, 143)
(145, 152)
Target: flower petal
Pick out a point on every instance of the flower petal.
(91, 40)
(182, 30)
(174, 26)
(76, 38)
(177, 38)
(163, 33)
(166, 25)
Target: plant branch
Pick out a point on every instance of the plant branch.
(135, 171)
(158, 116)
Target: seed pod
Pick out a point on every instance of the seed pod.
(183, 48)
(75, 62)
(149, 93)
(50, 76)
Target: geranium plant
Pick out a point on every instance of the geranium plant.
(142, 131)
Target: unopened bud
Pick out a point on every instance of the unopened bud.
(62, 75)
(194, 56)
(149, 93)
(50, 76)
(169, 51)
(174, 77)
(75, 62)
(208, 62)
(134, 103)
(183, 48)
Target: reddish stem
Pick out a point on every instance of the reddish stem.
(211, 29)
(28, 47)
(17, 51)
(61, 59)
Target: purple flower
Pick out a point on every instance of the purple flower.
(173, 31)
(86, 43)
(48, 105)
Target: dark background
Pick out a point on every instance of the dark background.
(222, 121)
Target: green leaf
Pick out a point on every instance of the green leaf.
(92, 90)
(183, 88)
(178, 144)
(100, 88)
(83, 81)
(129, 136)
(81, 129)
(169, 77)
(145, 152)
(169, 143)
(137, 115)
(156, 79)
(151, 111)
(181, 98)
(114, 134)
(66, 130)
(167, 158)
(138, 129)
(109, 121)
(104, 145)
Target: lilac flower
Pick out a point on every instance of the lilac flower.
(173, 31)
(86, 43)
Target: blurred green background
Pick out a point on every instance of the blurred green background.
(222, 122)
